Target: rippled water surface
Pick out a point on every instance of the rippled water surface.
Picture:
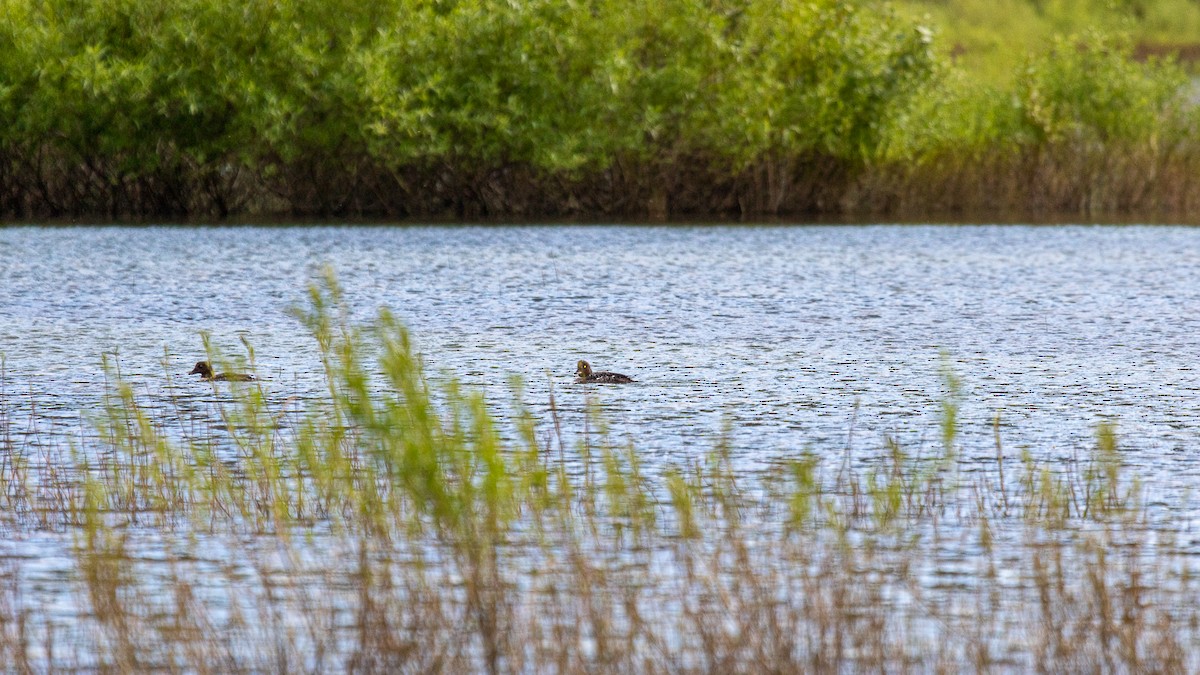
(799, 337)
(791, 338)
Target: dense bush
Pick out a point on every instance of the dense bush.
(123, 108)
(1094, 92)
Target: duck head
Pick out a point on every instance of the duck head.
(583, 369)
(203, 368)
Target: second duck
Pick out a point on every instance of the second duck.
(205, 371)
(585, 375)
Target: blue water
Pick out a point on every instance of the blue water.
(799, 337)
(792, 338)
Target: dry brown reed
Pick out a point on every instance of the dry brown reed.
(1036, 184)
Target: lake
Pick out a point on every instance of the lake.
(794, 335)
(794, 338)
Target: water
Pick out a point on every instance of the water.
(795, 338)
(799, 337)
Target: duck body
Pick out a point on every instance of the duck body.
(585, 375)
(205, 371)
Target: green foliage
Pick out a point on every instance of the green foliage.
(804, 491)
(951, 403)
(1084, 96)
(825, 78)
(475, 81)
(557, 85)
(1090, 90)
(134, 107)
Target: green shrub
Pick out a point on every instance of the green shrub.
(477, 81)
(127, 107)
(1090, 90)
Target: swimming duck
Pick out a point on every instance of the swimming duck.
(204, 368)
(583, 370)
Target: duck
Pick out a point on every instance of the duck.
(583, 370)
(204, 369)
